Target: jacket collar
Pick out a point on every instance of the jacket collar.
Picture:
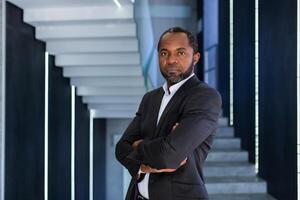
(182, 91)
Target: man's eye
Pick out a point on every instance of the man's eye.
(163, 53)
(181, 53)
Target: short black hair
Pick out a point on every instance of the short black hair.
(192, 39)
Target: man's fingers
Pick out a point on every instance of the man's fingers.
(165, 170)
(175, 126)
(147, 169)
(136, 143)
(183, 162)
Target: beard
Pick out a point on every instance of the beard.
(172, 77)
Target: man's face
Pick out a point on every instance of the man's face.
(176, 57)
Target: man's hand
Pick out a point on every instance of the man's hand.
(148, 169)
(172, 170)
(174, 127)
(136, 143)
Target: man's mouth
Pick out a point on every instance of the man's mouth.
(172, 71)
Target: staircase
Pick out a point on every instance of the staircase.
(228, 174)
(95, 42)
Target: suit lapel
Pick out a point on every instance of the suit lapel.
(181, 92)
(155, 106)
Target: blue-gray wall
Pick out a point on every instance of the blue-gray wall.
(115, 172)
(216, 48)
(211, 40)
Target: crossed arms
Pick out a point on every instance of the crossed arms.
(198, 121)
(147, 169)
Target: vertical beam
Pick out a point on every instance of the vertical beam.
(73, 132)
(46, 126)
(223, 55)
(278, 96)
(82, 150)
(256, 86)
(59, 136)
(298, 99)
(99, 159)
(91, 156)
(25, 99)
(244, 74)
(231, 64)
(3, 82)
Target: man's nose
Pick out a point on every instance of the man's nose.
(171, 59)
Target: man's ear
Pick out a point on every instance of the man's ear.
(196, 57)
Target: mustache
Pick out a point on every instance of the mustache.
(172, 69)
(173, 66)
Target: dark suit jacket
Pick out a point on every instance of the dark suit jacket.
(196, 107)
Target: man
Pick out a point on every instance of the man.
(167, 142)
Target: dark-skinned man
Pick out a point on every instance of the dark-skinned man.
(166, 144)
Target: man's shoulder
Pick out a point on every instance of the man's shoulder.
(203, 89)
(200, 86)
(153, 92)
(150, 94)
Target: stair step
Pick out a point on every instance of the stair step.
(225, 155)
(92, 91)
(85, 30)
(241, 197)
(98, 59)
(237, 169)
(235, 185)
(114, 107)
(130, 81)
(223, 121)
(71, 14)
(113, 114)
(226, 143)
(225, 132)
(92, 45)
(102, 72)
(113, 99)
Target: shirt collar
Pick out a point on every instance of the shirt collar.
(173, 89)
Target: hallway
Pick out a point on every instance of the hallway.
(73, 73)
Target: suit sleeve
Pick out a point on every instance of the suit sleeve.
(199, 120)
(124, 145)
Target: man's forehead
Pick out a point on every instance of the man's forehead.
(180, 36)
(180, 40)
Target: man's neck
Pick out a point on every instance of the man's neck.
(169, 85)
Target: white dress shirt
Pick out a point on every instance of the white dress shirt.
(169, 93)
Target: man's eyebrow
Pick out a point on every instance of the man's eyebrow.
(163, 50)
(180, 48)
